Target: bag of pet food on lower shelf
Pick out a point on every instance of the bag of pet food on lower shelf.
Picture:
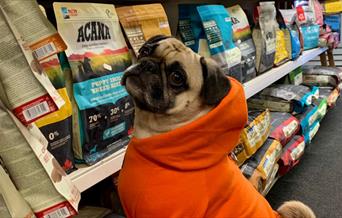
(12, 203)
(239, 154)
(308, 136)
(141, 22)
(295, 77)
(330, 94)
(292, 152)
(264, 36)
(298, 96)
(321, 76)
(308, 118)
(278, 105)
(46, 188)
(256, 132)
(242, 36)
(98, 55)
(322, 107)
(262, 163)
(283, 127)
(217, 26)
(271, 180)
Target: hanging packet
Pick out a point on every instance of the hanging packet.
(46, 188)
(283, 127)
(98, 55)
(218, 30)
(262, 161)
(56, 127)
(141, 22)
(264, 36)
(292, 152)
(242, 36)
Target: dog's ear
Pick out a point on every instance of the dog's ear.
(150, 45)
(215, 84)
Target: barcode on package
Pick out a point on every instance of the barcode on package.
(36, 111)
(60, 213)
(45, 51)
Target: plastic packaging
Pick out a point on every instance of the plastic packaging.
(98, 55)
(217, 25)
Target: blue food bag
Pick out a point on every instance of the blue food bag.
(310, 36)
(219, 33)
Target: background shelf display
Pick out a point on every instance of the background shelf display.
(86, 177)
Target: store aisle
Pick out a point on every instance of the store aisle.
(317, 180)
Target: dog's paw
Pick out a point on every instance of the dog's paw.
(295, 209)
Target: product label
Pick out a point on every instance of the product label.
(298, 151)
(213, 34)
(186, 32)
(48, 47)
(290, 128)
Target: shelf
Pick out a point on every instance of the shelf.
(257, 84)
(88, 176)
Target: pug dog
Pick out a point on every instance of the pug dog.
(171, 87)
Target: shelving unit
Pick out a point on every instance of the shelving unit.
(86, 177)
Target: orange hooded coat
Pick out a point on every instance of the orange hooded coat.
(187, 173)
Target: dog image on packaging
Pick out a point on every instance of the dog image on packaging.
(188, 118)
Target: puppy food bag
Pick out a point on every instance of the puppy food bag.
(292, 152)
(242, 36)
(283, 127)
(217, 25)
(98, 55)
(264, 36)
(263, 161)
(46, 188)
(21, 91)
(256, 132)
(258, 103)
(299, 96)
(141, 22)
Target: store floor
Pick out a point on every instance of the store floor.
(317, 180)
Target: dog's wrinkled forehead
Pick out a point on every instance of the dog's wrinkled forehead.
(160, 47)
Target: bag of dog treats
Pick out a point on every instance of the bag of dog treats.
(12, 204)
(141, 22)
(292, 152)
(46, 188)
(308, 118)
(242, 36)
(262, 161)
(283, 127)
(264, 36)
(258, 103)
(98, 55)
(299, 96)
(256, 131)
(56, 127)
(217, 26)
(20, 90)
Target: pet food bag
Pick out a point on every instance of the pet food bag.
(242, 36)
(283, 41)
(12, 204)
(332, 6)
(46, 188)
(239, 154)
(283, 127)
(308, 136)
(262, 161)
(264, 36)
(256, 132)
(322, 107)
(141, 22)
(20, 90)
(292, 152)
(98, 55)
(271, 180)
(321, 76)
(310, 36)
(298, 95)
(295, 77)
(330, 94)
(308, 118)
(258, 103)
(217, 26)
(56, 127)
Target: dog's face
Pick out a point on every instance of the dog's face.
(170, 79)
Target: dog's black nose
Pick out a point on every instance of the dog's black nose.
(131, 71)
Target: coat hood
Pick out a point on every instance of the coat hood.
(203, 142)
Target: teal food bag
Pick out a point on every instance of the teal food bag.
(219, 33)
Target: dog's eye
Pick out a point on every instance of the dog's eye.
(176, 79)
